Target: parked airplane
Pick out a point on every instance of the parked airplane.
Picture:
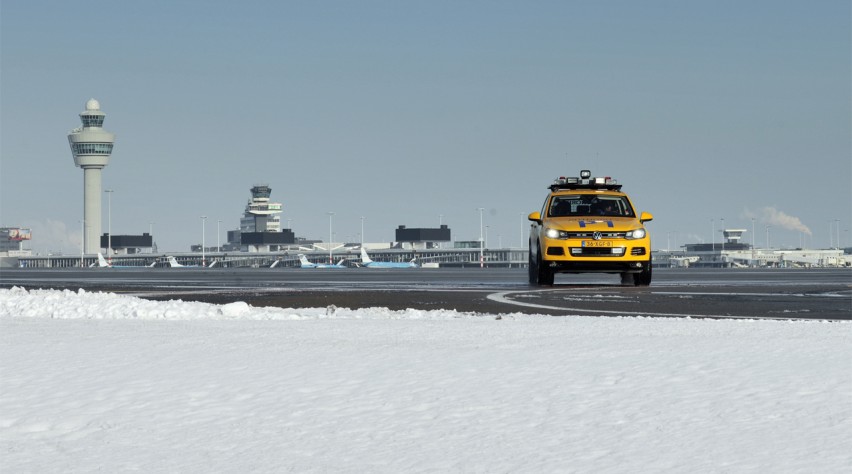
(370, 263)
(174, 263)
(103, 263)
(306, 264)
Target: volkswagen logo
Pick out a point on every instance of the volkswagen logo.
(597, 235)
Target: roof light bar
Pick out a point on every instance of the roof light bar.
(585, 181)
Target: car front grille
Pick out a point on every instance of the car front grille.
(590, 235)
(595, 252)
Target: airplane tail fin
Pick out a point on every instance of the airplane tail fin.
(174, 263)
(341, 261)
(304, 260)
(213, 264)
(102, 261)
(153, 264)
(365, 259)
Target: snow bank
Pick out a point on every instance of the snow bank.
(81, 304)
(96, 382)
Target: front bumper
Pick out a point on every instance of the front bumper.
(597, 266)
(621, 256)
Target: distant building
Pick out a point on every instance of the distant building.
(12, 245)
(91, 147)
(715, 247)
(128, 244)
(261, 214)
(733, 236)
(12, 241)
(424, 238)
(260, 226)
(731, 252)
(233, 244)
(731, 242)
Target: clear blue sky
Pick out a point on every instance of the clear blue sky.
(402, 112)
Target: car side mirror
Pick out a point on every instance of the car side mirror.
(535, 217)
(645, 217)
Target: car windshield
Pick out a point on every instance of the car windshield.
(590, 205)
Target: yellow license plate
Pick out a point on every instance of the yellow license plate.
(596, 243)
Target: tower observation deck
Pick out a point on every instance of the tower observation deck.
(261, 214)
(91, 147)
(260, 226)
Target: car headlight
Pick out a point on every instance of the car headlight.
(635, 234)
(552, 233)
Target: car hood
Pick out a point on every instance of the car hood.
(594, 223)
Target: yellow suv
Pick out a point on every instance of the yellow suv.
(587, 225)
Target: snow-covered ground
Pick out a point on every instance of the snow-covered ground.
(102, 382)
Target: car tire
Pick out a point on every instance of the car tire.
(533, 269)
(538, 273)
(643, 278)
(544, 274)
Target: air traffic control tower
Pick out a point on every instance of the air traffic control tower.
(91, 146)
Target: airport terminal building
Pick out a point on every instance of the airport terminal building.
(731, 252)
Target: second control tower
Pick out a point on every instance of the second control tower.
(91, 146)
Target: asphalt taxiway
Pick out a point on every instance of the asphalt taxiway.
(824, 294)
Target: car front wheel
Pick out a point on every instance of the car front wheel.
(643, 278)
(539, 274)
(532, 269)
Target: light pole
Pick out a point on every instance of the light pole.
(330, 214)
(752, 232)
(753, 257)
(440, 224)
(362, 231)
(838, 233)
(109, 224)
(723, 236)
(203, 225)
(481, 241)
(218, 248)
(82, 241)
(713, 235)
(830, 236)
(767, 236)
